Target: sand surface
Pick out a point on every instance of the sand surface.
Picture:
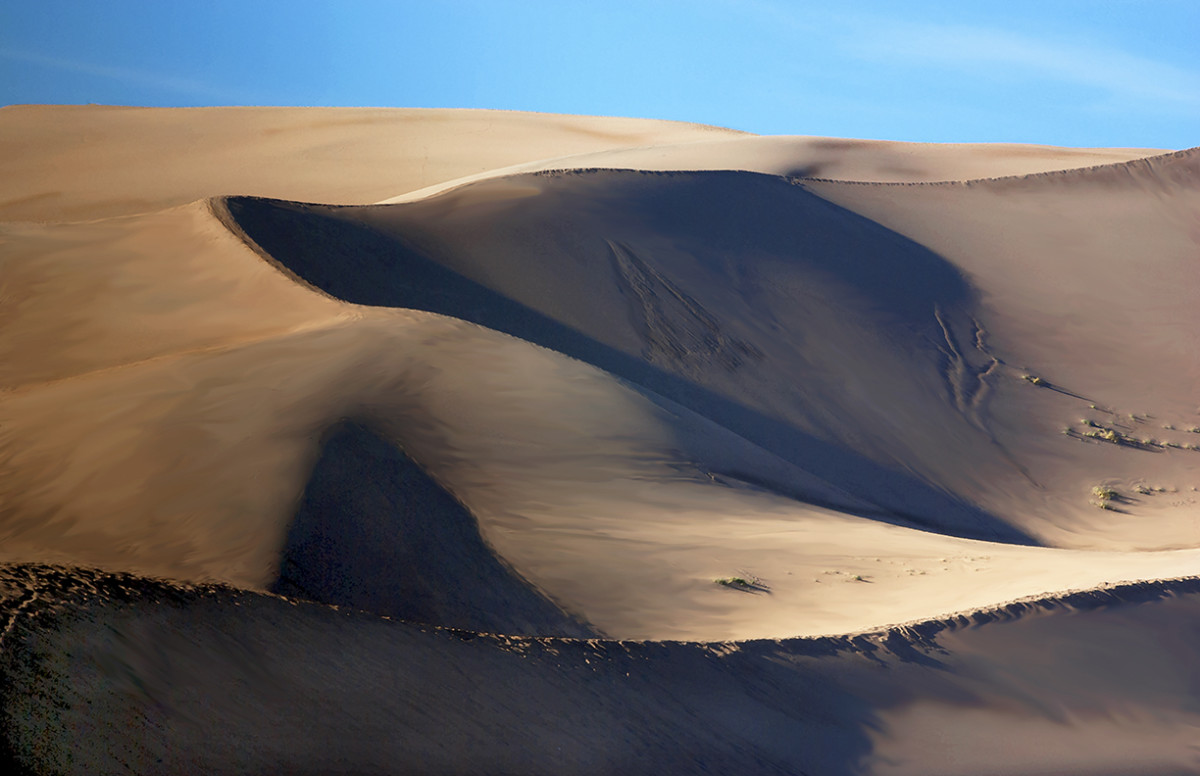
(707, 400)
(71, 163)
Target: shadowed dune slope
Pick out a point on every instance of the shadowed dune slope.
(1106, 253)
(374, 531)
(1090, 279)
(962, 362)
(114, 673)
(814, 333)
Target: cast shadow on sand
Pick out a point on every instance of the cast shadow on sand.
(329, 249)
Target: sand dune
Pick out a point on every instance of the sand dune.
(157, 673)
(74, 163)
(808, 326)
(578, 381)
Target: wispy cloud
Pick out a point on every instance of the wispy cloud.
(1117, 74)
(1111, 74)
(128, 76)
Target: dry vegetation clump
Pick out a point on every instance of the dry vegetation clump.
(1104, 496)
(747, 584)
(1099, 432)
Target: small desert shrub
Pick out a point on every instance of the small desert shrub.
(732, 582)
(752, 584)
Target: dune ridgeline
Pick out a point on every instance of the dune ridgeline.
(439, 441)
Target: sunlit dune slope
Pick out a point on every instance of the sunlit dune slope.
(71, 163)
(78, 162)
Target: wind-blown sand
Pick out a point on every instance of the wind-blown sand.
(566, 375)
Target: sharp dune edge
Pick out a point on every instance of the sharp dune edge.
(593, 446)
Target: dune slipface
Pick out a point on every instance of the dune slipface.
(603, 446)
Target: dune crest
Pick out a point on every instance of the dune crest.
(836, 159)
(342, 155)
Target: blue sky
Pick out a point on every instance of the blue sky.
(1115, 73)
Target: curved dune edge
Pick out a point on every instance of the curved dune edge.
(253, 151)
(858, 161)
(1141, 163)
(351, 155)
(155, 672)
(347, 155)
(29, 589)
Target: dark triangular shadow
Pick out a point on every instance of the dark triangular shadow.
(374, 531)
